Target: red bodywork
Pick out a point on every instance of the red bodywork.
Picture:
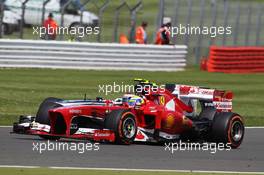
(162, 110)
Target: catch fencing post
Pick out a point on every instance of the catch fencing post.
(214, 16)
(198, 47)
(81, 17)
(237, 25)
(117, 13)
(1, 17)
(62, 16)
(248, 25)
(160, 14)
(22, 18)
(226, 13)
(259, 25)
(44, 10)
(101, 11)
(132, 10)
(188, 21)
(175, 19)
(82, 9)
(133, 13)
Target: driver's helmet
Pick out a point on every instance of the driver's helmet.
(133, 100)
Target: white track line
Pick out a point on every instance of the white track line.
(254, 127)
(136, 170)
(18, 166)
(157, 170)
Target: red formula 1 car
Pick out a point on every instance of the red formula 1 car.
(152, 114)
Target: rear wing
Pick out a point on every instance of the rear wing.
(221, 100)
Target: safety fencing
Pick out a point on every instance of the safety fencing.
(96, 56)
(234, 60)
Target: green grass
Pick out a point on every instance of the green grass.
(47, 171)
(22, 90)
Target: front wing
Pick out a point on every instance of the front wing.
(34, 128)
(30, 127)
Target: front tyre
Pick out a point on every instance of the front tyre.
(228, 128)
(123, 123)
(43, 114)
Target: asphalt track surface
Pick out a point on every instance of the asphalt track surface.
(18, 150)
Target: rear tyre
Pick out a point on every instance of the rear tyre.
(124, 125)
(43, 114)
(228, 128)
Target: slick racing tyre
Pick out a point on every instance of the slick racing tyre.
(43, 114)
(123, 123)
(228, 128)
(43, 111)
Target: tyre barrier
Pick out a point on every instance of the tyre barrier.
(234, 60)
